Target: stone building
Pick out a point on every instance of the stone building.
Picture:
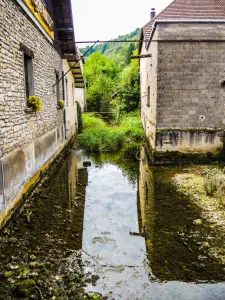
(182, 70)
(37, 49)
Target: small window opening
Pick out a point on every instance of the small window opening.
(29, 75)
(73, 94)
(66, 92)
(57, 86)
(148, 96)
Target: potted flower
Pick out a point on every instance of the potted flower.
(35, 103)
(60, 104)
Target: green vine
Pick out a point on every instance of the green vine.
(79, 117)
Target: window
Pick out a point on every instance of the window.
(57, 85)
(29, 75)
(148, 96)
(66, 91)
(73, 93)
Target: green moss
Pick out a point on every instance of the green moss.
(26, 287)
(8, 274)
(188, 130)
(180, 158)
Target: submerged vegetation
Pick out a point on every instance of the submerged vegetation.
(205, 188)
(99, 136)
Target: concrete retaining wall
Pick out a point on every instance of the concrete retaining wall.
(190, 141)
(20, 166)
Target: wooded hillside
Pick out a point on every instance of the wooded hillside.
(119, 52)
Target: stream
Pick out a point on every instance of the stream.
(112, 225)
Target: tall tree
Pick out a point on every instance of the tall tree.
(101, 74)
(128, 95)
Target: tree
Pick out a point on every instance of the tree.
(101, 74)
(128, 95)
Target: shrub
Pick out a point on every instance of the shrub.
(90, 121)
(79, 118)
(132, 127)
(98, 136)
(214, 182)
(61, 104)
(34, 102)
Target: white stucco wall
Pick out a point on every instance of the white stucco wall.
(80, 96)
(70, 103)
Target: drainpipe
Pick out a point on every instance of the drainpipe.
(3, 183)
(64, 99)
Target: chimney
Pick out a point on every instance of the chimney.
(152, 13)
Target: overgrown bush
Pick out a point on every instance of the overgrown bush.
(90, 121)
(79, 118)
(214, 182)
(98, 136)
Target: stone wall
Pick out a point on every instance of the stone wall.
(190, 141)
(18, 128)
(70, 103)
(190, 94)
(80, 96)
(28, 141)
(148, 77)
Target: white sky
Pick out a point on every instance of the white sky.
(106, 19)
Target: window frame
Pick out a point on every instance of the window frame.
(28, 69)
(148, 95)
(66, 92)
(57, 85)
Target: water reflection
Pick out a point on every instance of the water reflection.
(139, 239)
(114, 224)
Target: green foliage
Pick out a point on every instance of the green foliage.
(101, 74)
(118, 51)
(107, 76)
(34, 102)
(99, 137)
(128, 95)
(61, 104)
(79, 118)
(90, 121)
(132, 127)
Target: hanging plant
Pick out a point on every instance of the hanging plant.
(34, 102)
(61, 104)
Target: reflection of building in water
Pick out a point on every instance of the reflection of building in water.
(146, 195)
(173, 241)
(77, 182)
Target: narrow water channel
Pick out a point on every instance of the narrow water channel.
(108, 224)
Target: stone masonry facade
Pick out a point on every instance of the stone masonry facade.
(18, 128)
(186, 112)
(190, 94)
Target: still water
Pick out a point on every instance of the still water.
(114, 226)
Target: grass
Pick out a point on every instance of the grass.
(99, 137)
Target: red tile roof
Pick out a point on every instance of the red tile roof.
(148, 31)
(194, 9)
(187, 10)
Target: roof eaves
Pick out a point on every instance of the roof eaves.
(153, 30)
(141, 40)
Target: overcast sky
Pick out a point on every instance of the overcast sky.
(106, 19)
